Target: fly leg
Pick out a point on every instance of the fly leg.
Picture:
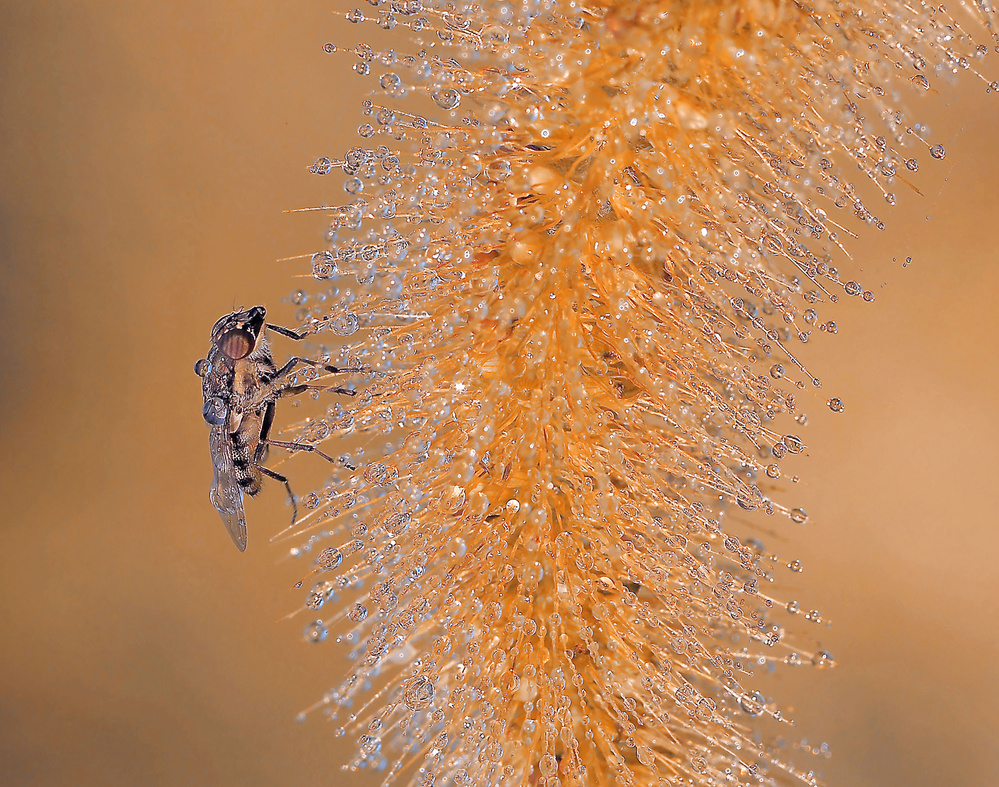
(298, 447)
(295, 360)
(287, 332)
(293, 447)
(291, 495)
(261, 452)
(293, 390)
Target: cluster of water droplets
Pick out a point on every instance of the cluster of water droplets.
(572, 294)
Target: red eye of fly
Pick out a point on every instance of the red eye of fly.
(236, 344)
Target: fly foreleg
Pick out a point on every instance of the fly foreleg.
(288, 367)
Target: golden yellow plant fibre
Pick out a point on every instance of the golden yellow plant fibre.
(574, 290)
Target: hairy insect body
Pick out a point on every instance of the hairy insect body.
(241, 386)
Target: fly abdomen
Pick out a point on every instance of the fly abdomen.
(245, 472)
(244, 445)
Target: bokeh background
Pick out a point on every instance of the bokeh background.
(147, 153)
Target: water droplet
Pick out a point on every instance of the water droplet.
(799, 516)
(938, 152)
(548, 766)
(823, 659)
(494, 34)
(214, 411)
(853, 288)
(357, 613)
(395, 525)
(316, 631)
(369, 744)
(911, 164)
(390, 81)
(498, 171)
(329, 559)
(513, 505)
(746, 500)
(418, 693)
(835, 404)
(407, 7)
(344, 323)
(324, 265)
(773, 471)
(793, 444)
(448, 98)
(752, 704)
(777, 371)
(322, 166)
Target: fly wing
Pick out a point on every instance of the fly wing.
(226, 494)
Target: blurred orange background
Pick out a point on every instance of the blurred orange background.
(147, 151)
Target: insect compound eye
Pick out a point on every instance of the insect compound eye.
(214, 411)
(202, 367)
(236, 343)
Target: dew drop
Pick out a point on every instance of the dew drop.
(498, 171)
(752, 704)
(823, 659)
(793, 444)
(448, 98)
(344, 323)
(321, 166)
(324, 265)
(799, 516)
(418, 693)
(835, 404)
(316, 631)
(329, 559)
(390, 81)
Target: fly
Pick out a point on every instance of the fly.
(241, 386)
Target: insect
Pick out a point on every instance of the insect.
(241, 386)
